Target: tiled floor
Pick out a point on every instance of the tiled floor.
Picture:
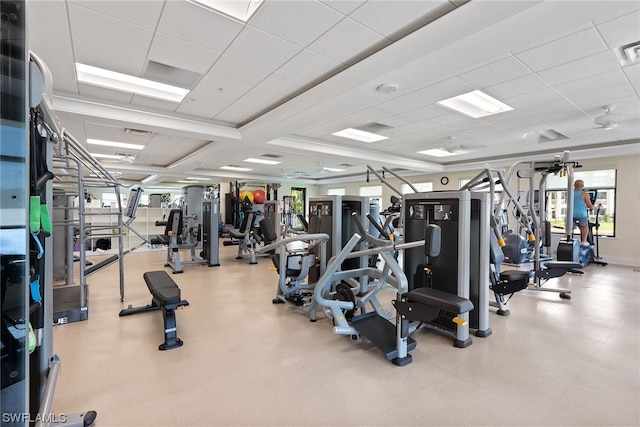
(247, 362)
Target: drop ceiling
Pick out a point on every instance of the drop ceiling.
(279, 85)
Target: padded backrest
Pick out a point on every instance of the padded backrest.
(172, 215)
(432, 242)
(268, 231)
(496, 256)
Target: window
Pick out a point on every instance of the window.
(603, 181)
(422, 187)
(373, 192)
(336, 191)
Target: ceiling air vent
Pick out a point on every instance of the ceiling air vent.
(628, 54)
(138, 132)
(170, 75)
(374, 127)
(272, 156)
(550, 135)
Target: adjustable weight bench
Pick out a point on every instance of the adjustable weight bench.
(166, 297)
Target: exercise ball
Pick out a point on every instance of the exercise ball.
(259, 196)
(246, 194)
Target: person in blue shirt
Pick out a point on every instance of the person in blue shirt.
(581, 202)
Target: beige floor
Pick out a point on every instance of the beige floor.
(247, 362)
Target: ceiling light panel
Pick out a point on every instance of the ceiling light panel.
(475, 104)
(235, 168)
(239, 9)
(126, 83)
(437, 152)
(114, 144)
(261, 161)
(359, 135)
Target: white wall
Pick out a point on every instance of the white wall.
(623, 249)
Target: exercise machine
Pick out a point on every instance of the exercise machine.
(29, 367)
(332, 214)
(193, 228)
(349, 312)
(462, 269)
(546, 270)
(571, 250)
(294, 258)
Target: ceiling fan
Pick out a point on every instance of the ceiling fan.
(454, 147)
(608, 120)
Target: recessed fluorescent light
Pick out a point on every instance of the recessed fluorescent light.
(359, 135)
(195, 178)
(437, 152)
(262, 161)
(239, 9)
(115, 144)
(235, 168)
(475, 104)
(126, 83)
(149, 178)
(106, 156)
(332, 169)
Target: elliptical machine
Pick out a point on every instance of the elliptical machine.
(570, 250)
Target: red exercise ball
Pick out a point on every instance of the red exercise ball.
(259, 196)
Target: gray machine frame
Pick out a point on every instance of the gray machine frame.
(472, 253)
(197, 212)
(340, 232)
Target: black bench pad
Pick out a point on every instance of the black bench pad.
(568, 265)
(441, 300)
(162, 287)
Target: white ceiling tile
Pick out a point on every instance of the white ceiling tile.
(519, 86)
(495, 73)
(621, 31)
(566, 49)
(50, 16)
(247, 106)
(281, 84)
(444, 90)
(604, 94)
(601, 81)
(404, 103)
(632, 72)
(396, 121)
(101, 30)
(299, 22)
(153, 104)
(259, 48)
(580, 68)
(373, 114)
(361, 41)
(180, 54)
(54, 49)
(193, 24)
(533, 98)
(309, 66)
(429, 112)
(143, 13)
(344, 6)
(204, 107)
(389, 18)
(103, 57)
(90, 91)
(232, 70)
